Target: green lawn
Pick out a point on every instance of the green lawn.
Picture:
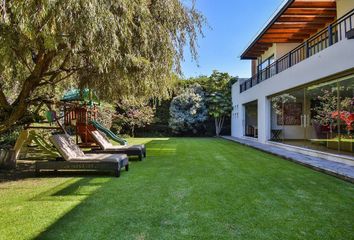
(187, 188)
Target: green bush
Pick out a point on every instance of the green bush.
(8, 139)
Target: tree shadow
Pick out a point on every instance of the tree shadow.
(74, 189)
(26, 167)
(107, 204)
(23, 170)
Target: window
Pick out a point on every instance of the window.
(263, 65)
(264, 70)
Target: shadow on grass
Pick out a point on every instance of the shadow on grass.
(26, 167)
(74, 189)
(100, 200)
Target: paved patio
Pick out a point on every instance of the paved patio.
(340, 170)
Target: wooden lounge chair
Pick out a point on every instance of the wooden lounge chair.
(107, 147)
(76, 159)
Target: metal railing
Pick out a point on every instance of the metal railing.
(325, 38)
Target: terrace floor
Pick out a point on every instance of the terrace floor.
(187, 188)
(337, 169)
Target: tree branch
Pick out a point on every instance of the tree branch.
(24, 62)
(56, 73)
(51, 80)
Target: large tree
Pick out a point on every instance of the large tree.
(219, 101)
(120, 48)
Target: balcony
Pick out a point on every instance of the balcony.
(325, 38)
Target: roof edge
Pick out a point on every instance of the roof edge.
(281, 9)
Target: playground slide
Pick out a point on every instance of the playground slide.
(109, 133)
(43, 144)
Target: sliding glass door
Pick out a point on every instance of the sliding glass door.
(288, 117)
(319, 116)
(345, 114)
(321, 122)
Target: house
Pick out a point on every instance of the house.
(301, 93)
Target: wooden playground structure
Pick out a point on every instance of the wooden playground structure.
(73, 115)
(80, 118)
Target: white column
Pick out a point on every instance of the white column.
(263, 119)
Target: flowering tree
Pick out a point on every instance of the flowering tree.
(133, 115)
(188, 110)
(105, 114)
(326, 111)
(219, 101)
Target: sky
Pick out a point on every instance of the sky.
(234, 23)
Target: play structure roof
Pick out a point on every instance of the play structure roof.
(82, 95)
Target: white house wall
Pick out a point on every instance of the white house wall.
(335, 59)
(344, 6)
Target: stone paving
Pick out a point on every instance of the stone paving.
(340, 170)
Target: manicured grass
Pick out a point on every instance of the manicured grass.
(187, 188)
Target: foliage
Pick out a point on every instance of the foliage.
(219, 101)
(278, 104)
(119, 48)
(186, 83)
(162, 112)
(328, 105)
(217, 98)
(8, 139)
(105, 114)
(188, 110)
(133, 115)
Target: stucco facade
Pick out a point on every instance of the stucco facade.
(332, 62)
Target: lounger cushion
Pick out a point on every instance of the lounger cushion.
(65, 147)
(75, 148)
(71, 152)
(101, 140)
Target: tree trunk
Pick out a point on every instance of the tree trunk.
(133, 131)
(20, 106)
(3, 101)
(217, 131)
(7, 159)
(219, 122)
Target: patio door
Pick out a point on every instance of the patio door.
(331, 116)
(319, 116)
(289, 117)
(322, 124)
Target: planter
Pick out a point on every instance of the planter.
(7, 159)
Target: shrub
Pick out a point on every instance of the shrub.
(188, 111)
(133, 115)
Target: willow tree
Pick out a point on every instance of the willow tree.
(118, 47)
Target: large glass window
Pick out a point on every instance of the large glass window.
(288, 117)
(266, 69)
(251, 119)
(322, 130)
(320, 116)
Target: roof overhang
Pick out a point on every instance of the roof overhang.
(294, 22)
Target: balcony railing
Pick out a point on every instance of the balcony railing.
(328, 36)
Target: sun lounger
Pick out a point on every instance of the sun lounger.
(76, 159)
(107, 147)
